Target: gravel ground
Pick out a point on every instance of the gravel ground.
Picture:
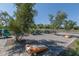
(55, 44)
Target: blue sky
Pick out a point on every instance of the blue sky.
(45, 9)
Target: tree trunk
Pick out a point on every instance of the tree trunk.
(19, 37)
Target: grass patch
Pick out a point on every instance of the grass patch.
(72, 50)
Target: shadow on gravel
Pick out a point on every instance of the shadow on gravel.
(53, 48)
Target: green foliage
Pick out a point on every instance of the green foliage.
(51, 18)
(60, 19)
(76, 27)
(24, 16)
(4, 16)
(14, 26)
(61, 15)
(23, 21)
(56, 25)
(69, 24)
(40, 26)
(43, 26)
(4, 20)
(72, 51)
(1, 26)
(57, 21)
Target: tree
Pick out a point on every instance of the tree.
(51, 18)
(4, 19)
(15, 28)
(4, 16)
(24, 21)
(76, 27)
(69, 24)
(40, 26)
(57, 21)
